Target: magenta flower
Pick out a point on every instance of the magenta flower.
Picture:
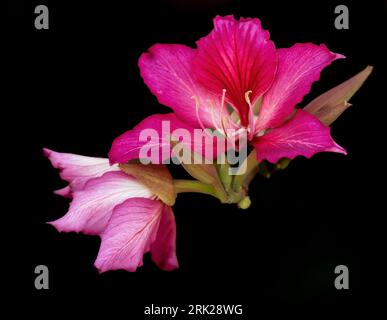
(235, 86)
(236, 79)
(122, 211)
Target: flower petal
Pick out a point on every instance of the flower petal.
(298, 67)
(92, 206)
(151, 140)
(163, 249)
(76, 169)
(237, 56)
(130, 234)
(166, 70)
(303, 135)
(64, 192)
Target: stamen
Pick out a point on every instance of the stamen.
(222, 106)
(225, 114)
(223, 97)
(251, 113)
(197, 106)
(213, 116)
(247, 98)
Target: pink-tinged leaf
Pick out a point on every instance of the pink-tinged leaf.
(132, 232)
(303, 135)
(330, 113)
(331, 104)
(163, 249)
(77, 170)
(298, 67)
(166, 70)
(91, 207)
(239, 57)
(151, 140)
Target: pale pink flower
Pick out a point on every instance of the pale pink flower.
(122, 211)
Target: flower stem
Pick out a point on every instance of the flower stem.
(182, 185)
(225, 177)
(251, 170)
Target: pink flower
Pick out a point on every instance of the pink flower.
(77, 170)
(122, 211)
(236, 79)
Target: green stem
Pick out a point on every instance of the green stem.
(251, 167)
(225, 177)
(250, 176)
(182, 185)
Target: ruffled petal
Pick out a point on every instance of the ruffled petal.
(77, 169)
(303, 135)
(237, 56)
(131, 232)
(298, 67)
(163, 250)
(91, 207)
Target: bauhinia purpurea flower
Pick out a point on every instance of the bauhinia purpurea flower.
(119, 203)
(235, 80)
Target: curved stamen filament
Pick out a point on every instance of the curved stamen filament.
(197, 106)
(251, 114)
(213, 117)
(220, 119)
(222, 106)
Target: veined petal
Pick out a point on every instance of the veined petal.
(298, 67)
(91, 207)
(151, 139)
(163, 249)
(166, 70)
(131, 232)
(303, 135)
(239, 57)
(77, 169)
(149, 133)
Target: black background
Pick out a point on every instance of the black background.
(76, 86)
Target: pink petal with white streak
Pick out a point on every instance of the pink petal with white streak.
(92, 207)
(77, 169)
(131, 232)
(166, 70)
(237, 56)
(303, 135)
(298, 67)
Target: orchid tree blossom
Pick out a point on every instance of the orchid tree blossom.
(236, 80)
(234, 84)
(128, 216)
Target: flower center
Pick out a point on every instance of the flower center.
(225, 119)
